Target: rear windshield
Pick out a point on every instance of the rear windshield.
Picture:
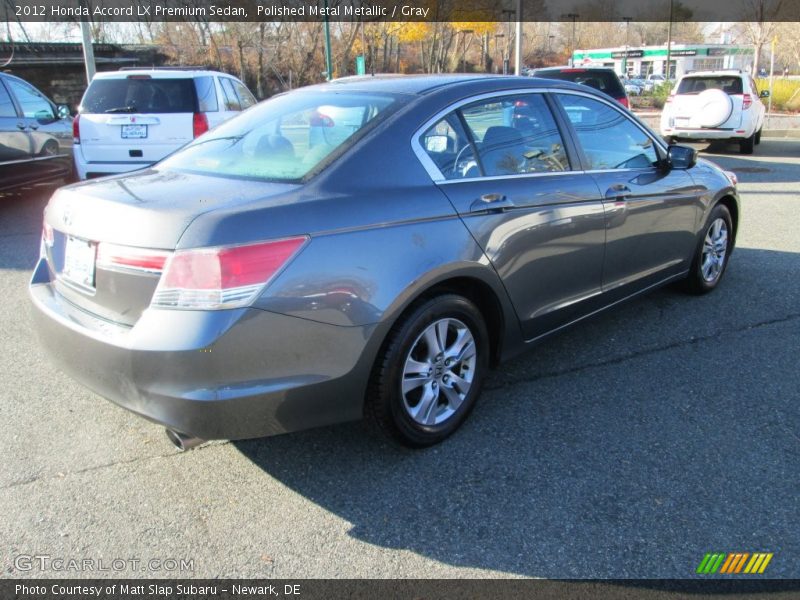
(603, 80)
(695, 85)
(140, 94)
(285, 138)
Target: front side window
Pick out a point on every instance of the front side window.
(286, 137)
(609, 139)
(246, 99)
(34, 105)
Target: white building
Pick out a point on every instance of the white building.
(641, 61)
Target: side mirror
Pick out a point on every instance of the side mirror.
(62, 111)
(764, 94)
(681, 157)
(436, 143)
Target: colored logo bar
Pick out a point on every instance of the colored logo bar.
(734, 563)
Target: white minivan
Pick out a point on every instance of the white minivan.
(132, 118)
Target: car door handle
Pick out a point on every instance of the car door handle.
(21, 126)
(34, 127)
(618, 192)
(491, 202)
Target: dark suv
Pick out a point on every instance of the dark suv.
(600, 78)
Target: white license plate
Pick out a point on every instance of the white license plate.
(79, 258)
(134, 131)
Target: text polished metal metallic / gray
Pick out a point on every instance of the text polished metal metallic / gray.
(367, 246)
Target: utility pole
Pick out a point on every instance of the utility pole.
(627, 31)
(574, 17)
(328, 62)
(669, 42)
(88, 50)
(518, 41)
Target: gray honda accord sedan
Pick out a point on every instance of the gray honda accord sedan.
(368, 247)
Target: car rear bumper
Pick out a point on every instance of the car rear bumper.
(89, 170)
(228, 374)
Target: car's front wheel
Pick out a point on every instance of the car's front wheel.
(430, 372)
(711, 256)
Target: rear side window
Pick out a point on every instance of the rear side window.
(6, 105)
(206, 94)
(695, 85)
(603, 80)
(231, 99)
(140, 94)
(246, 99)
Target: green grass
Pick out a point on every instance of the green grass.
(785, 93)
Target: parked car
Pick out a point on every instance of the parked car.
(632, 87)
(600, 78)
(132, 118)
(35, 136)
(713, 106)
(254, 283)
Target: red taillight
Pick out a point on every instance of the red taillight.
(76, 129)
(199, 124)
(317, 119)
(624, 102)
(125, 257)
(227, 277)
(747, 100)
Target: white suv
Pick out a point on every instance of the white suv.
(715, 105)
(130, 119)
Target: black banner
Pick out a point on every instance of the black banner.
(398, 10)
(388, 589)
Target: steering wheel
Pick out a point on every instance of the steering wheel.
(458, 160)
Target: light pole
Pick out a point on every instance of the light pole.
(518, 41)
(669, 42)
(625, 57)
(574, 17)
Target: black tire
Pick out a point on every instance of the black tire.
(388, 408)
(696, 281)
(758, 137)
(747, 145)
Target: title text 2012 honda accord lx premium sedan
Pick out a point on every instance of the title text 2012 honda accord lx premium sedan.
(369, 246)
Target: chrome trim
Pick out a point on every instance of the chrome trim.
(438, 177)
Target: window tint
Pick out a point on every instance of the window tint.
(34, 105)
(284, 138)
(609, 139)
(140, 94)
(206, 94)
(516, 134)
(246, 99)
(448, 146)
(6, 105)
(231, 100)
(695, 85)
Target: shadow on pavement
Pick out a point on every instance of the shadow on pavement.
(626, 465)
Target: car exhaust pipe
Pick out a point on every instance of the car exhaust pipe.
(182, 441)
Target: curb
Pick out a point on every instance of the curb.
(781, 133)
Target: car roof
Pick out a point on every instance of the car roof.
(720, 73)
(428, 84)
(158, 73)
(576, 68)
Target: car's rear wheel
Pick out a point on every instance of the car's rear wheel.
(430, 372)
(713, 252)
(758, 137)
(747, 145)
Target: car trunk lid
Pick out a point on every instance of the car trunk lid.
(106, 240)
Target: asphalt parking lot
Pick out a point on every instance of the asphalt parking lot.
(627, 447)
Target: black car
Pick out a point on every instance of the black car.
(600, 78)
(35, 136)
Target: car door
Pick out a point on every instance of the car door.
(650, 210)
(15, 142)
(50, 136)
(507, 169)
